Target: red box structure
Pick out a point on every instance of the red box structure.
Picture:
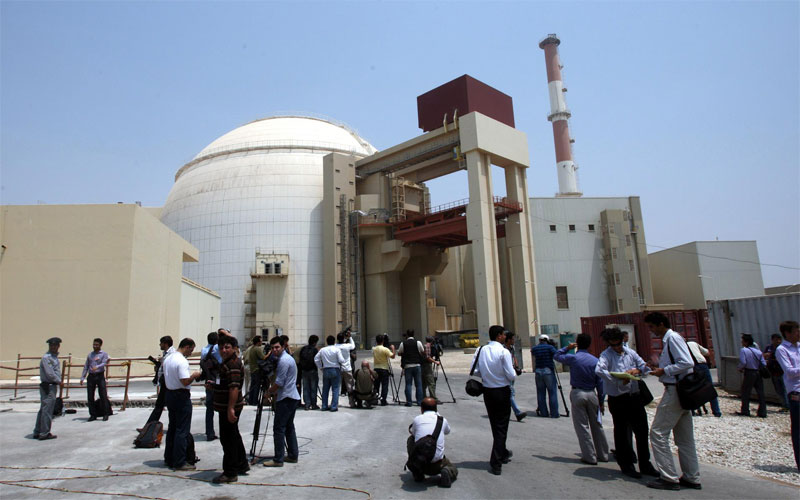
(691, 324)
(466, 95)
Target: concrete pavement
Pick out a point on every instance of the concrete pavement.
(359, 449)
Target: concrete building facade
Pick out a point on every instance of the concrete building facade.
(699, 271)
(85, 271)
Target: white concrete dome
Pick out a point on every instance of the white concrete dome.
(255, 189)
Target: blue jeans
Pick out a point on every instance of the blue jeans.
(703, 367)
(330, 380)
(283, 430)
(546, 390)
(310, 386)
(415, 373)
(514, 403)
(179, 408)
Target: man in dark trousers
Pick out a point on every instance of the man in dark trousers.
(94, 371)
(165, 343)
(177, 383)
(228, 402)
(284, 392)
(425, 425)
(495, 369)
(309, 372)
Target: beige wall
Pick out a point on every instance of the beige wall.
(200, 310)
(85, 271)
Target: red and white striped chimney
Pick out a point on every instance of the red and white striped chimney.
(559, 115)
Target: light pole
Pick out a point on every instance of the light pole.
(713, 282)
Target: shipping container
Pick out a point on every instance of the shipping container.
(758, 316)
(692, 324)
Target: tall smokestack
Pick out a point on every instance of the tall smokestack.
(559, 115)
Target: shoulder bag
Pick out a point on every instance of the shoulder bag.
(474, 386)
(694, 390)
(762, 369)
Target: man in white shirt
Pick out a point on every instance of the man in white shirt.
(425, 425)
(178, 380)
(671, 418)
(495, 369)
(345, 343)
(330, 360)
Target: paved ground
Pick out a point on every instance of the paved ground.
(359, 449)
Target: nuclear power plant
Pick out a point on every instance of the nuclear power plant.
(296, 225)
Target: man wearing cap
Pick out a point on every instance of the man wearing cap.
(545, 369)
(49, 380)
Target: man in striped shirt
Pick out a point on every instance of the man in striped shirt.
(228, 402)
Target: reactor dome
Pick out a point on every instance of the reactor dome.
(258, 190)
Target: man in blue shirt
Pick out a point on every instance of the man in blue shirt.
(95, 370)
(210, 367)
(625, 403)
(545, 369)
(671, 419)
(587, 399)
(286, 397)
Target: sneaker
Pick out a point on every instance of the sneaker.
(660, 484)
(445, 480)
(521, 416)
(273, 463)
(222, 478)
(186, 466)
(688, 484)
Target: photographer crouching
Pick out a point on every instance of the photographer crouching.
(426, 446)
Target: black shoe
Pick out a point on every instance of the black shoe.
(211, 438)
(649, 470)
(290, 460)
(521, 415)
(408, 404)
(631, 472)
(45, 437)
(660, 484)
(688, 484)
(244, 470)
(418, 476)
(222, 478)
(314, 407)
(92, 419)
(740, 414)
(445, 480)
(105, 418)
(384, 403)
(495, 471)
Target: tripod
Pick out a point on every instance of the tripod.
(394, 390)
(396, 397)
(257, 425)
(561, 390)
(436, 368)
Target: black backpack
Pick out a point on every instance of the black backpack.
(307, 354)
(150, 435)
(424, 449)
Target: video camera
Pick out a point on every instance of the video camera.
(156, 366)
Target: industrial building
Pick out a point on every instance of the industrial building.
(85, 271)
(694, 273)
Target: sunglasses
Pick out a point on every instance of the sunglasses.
(615, 344)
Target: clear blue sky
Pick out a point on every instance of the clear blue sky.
(692, 106)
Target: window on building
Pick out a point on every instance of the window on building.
(277, 268)
(552, 228)
(611, 228)
(591, 228)
(635, 291)
(562, 298)
(267, 267)
(616, 278)
(572, 228)
(630, 265)
(613, 252)
(641, 296)
(620, 308)
(627, 240)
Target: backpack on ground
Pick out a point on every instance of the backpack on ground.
(150, 435)
(307, 354)
(58, 407)
(424, 450)
(102, 407)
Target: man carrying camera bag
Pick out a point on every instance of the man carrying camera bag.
(426, 446)
(495, 369)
